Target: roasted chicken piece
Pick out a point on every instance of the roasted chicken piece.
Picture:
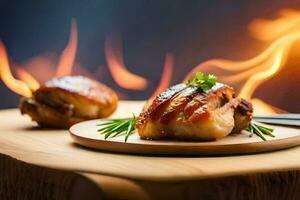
(189, 113)
(62, 102)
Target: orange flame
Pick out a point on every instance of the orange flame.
(166, 77)
(120, 74)
(39, 65)
(15, 85)
(259, 69)
(28, 79)
(266, 30)
(67, 58)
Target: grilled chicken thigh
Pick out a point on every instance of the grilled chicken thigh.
(62, 102)
(189, 113)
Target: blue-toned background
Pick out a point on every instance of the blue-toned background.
(192, 30)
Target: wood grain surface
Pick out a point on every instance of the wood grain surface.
(22, 139)
(86, 134)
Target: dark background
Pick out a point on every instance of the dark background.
(192, 30)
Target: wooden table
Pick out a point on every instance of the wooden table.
(145, 177)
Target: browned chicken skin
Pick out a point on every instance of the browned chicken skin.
(62, 102)
(189, 113)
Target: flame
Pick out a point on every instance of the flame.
(28, 79)
(264, 66)
(67, 58)
(266, 30)
(120, 74)
(166, 77)
(28, 83)
(262, 108)
(15, 85)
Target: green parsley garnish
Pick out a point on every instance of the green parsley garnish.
(202, 81)
(115, 127)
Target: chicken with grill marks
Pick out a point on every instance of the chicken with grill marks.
(189, 113)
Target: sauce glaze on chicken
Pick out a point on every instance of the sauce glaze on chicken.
(62, 102)
(189, 113)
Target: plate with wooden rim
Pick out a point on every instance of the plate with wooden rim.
(86, 134)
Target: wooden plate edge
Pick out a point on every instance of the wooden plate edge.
(152, 149)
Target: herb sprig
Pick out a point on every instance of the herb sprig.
(259, 130)
(115, 127)
(202, 81)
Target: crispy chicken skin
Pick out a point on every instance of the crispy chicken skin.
(62, 102)
(188, 113)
